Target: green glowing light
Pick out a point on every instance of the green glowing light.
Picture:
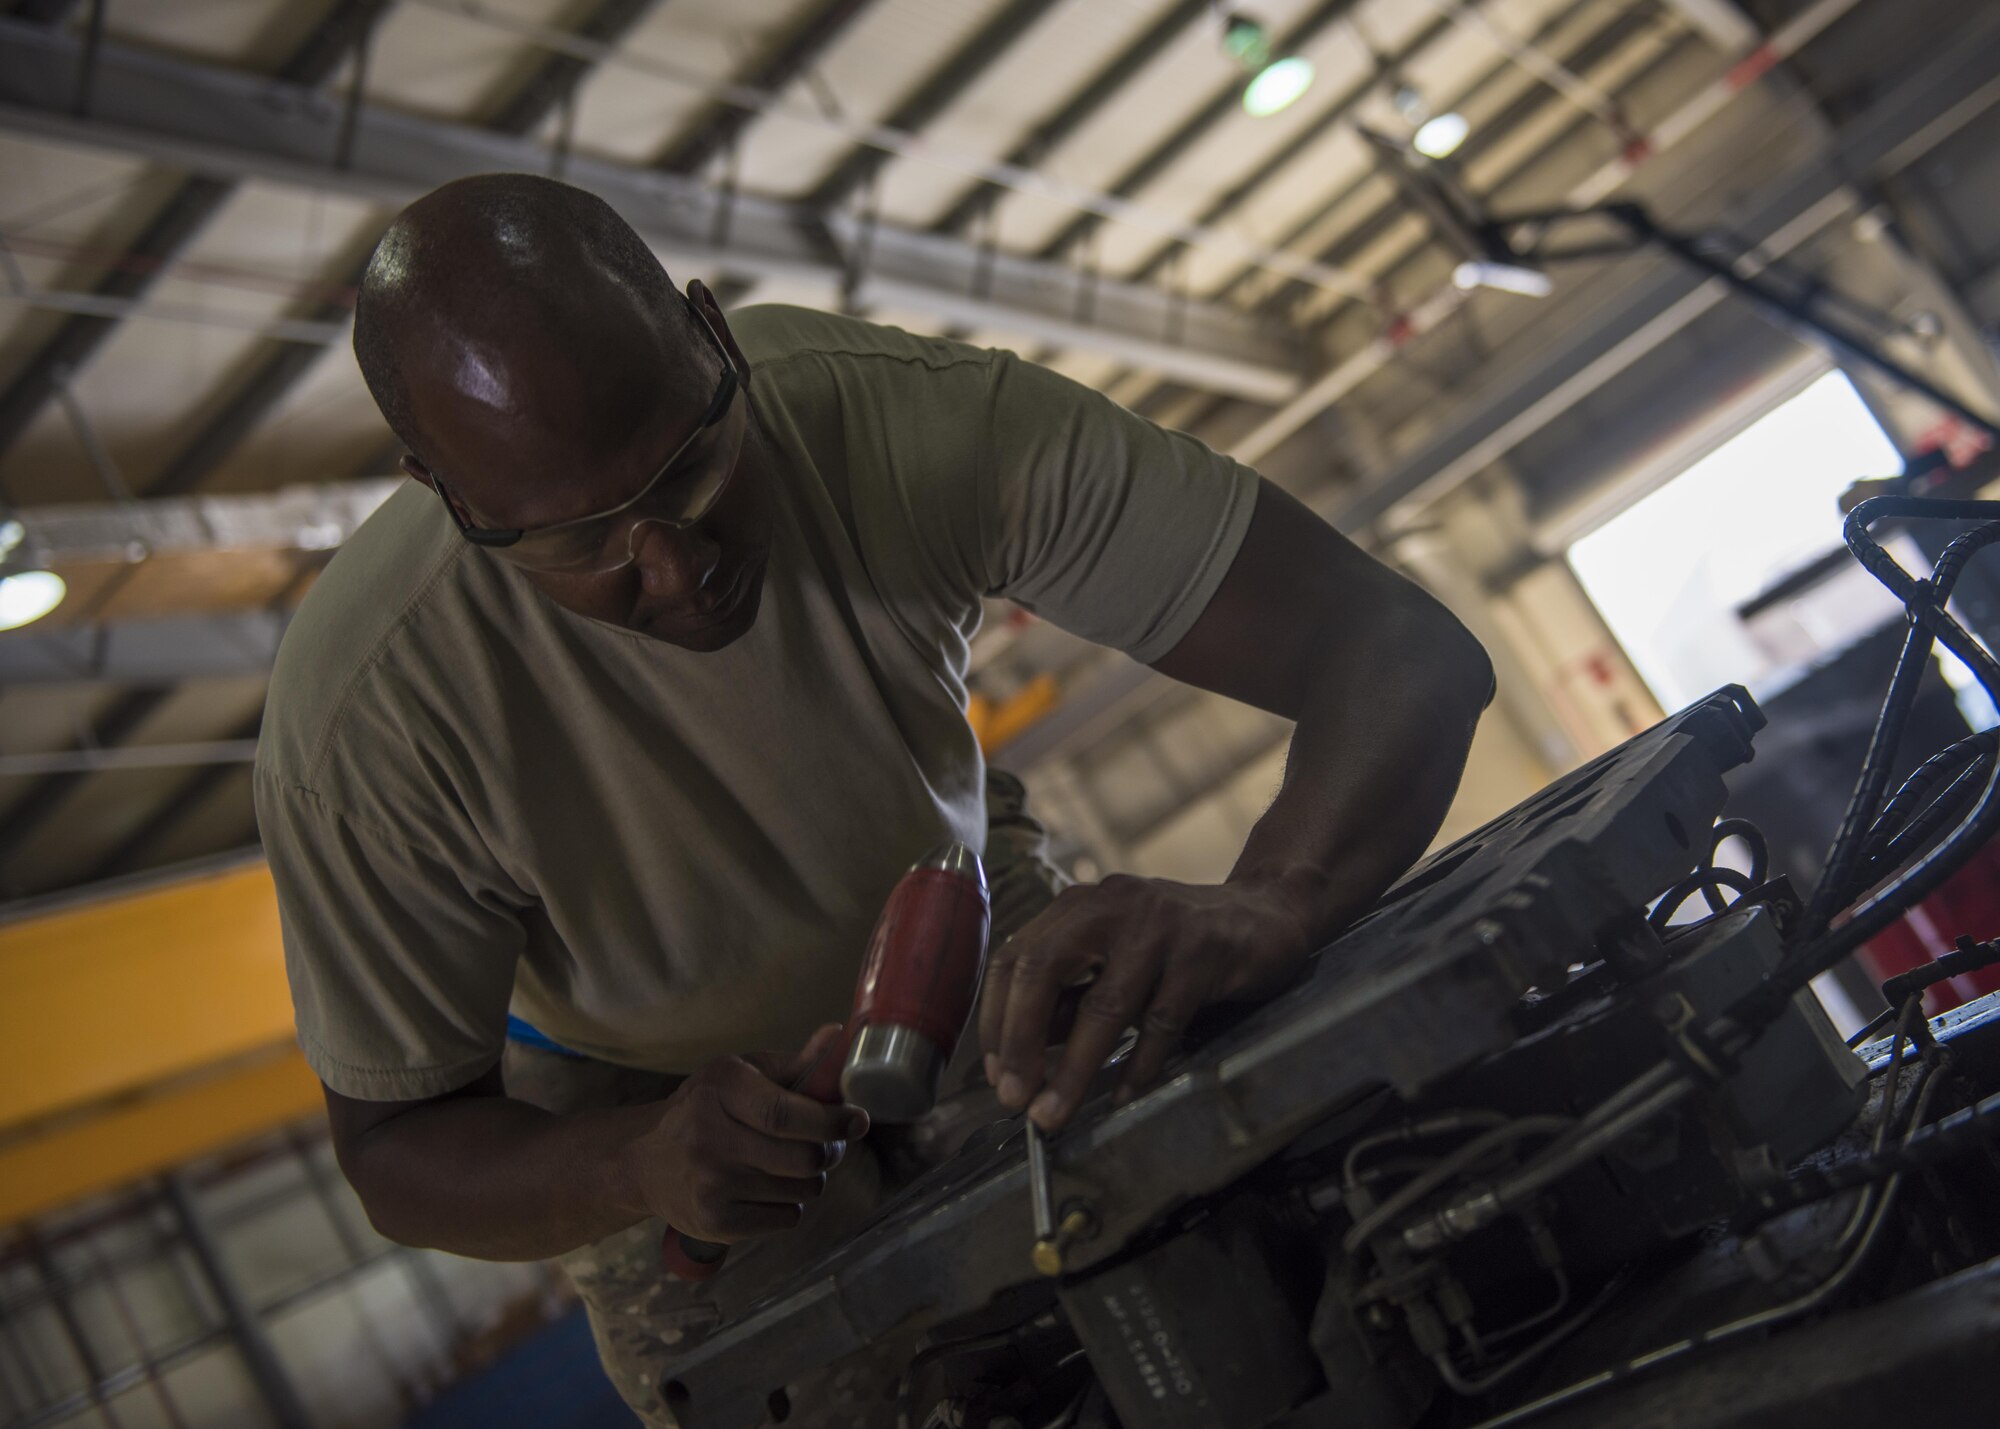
(1247, 42)
(1277, 85)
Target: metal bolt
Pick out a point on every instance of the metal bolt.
(1077, 1224)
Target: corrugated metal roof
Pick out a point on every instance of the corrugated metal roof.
(279, 251)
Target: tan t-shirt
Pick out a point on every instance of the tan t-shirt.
(472, 798)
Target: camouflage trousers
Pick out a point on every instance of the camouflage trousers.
(642, 1318)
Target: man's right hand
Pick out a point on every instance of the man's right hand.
(735, 1153)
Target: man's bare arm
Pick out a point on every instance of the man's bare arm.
(1386, 687)
(731, 1154)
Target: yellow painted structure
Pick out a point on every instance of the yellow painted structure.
(994, 725)
(139, 1031)
(152, 1133)
(110, 997)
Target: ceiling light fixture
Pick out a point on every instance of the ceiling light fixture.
(1274, 83)
(1277, 85)
(28, 596)
(1440, 137)
(1515, 278)
(25, 596)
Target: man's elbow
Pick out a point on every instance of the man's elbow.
(391, 1221)
(1445, 657)
(383, 1200)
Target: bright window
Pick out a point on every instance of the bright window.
(1669, 572)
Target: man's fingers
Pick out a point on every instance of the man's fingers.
(788, 1158)
(993, 1005)
(1032, 992)
(1113, 1003)
(1052, 928)
(1160, 1030)
(755, 1101)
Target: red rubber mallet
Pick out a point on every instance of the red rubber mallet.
(915, 994)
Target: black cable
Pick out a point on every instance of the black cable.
(1818, 953)
(1967, 957)
(1952, 1136)
(1872, 1026)
(1924, 599)
(965, 1344)
(1702, 880)
(1665, 1084)
(1894, 852)
(1710, 878)
(1753, 839)
(1946, 762)
(1834, 888)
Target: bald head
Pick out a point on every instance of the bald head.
(510, 301)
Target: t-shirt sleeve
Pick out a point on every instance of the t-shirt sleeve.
(1098, 520)
(401, 969)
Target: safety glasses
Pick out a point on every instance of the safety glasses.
(605, 540)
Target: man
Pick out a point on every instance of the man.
(627, 714)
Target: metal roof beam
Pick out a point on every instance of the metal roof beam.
(297, 518)
(932, 97)
(260, 394)
(1622, 29)
(1192, 129)
(176, 224)
(217, 122)
(555, 79)
(154, 652)
(1239, 192)
(722, 123)
(195, 790)
(48, 794)
(1509, 404)
(1050, 134)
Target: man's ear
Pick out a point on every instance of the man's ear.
(705, 300)
(416, 470)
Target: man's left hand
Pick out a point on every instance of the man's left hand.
(1159, 952)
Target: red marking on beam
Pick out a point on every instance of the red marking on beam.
(1752, 67)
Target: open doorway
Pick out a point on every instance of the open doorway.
(1673, 572)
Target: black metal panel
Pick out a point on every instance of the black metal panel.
(1424, 986)
(1206, 1331)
